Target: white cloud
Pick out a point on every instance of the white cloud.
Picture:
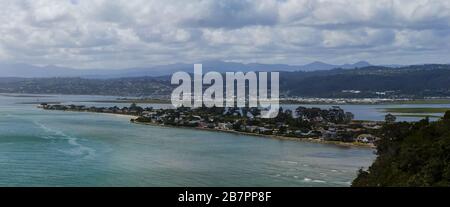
(128, 33)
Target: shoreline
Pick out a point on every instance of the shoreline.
(121, 115)
(298, 102)
(310, 140)
(103, 113)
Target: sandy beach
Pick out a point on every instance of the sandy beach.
(312, 140)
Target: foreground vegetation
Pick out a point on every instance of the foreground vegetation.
(411, 154)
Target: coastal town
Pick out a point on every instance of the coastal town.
(332, 125)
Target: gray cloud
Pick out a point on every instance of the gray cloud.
(234, 14)
(128, 33)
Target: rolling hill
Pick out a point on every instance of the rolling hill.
(31, 71)
(373, 81)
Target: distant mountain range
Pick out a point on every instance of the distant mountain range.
(416, 81)
(31, 71)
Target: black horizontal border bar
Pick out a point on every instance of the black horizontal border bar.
(170, 196)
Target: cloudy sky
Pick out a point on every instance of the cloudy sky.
(129, 33)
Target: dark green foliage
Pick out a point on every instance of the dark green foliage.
(447, 115)
(389, 118)
(79, 86)
(411, 154)
(411, 81)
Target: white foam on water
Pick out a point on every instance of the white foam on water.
(78, 150)
(48, 137)
(308, 180)
(290, 162)
(46, 129)
(348, 183)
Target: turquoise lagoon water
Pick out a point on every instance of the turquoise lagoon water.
(54, 148)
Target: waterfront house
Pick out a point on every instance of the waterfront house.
(251, 129)
(264, 130)
(225, 126)
(366, 138)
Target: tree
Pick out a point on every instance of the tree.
(446, 116)
(389, 118)
(410, 154)
(237, 126)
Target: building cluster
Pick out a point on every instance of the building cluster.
(343, 100)
(332, 124)
(132, 110)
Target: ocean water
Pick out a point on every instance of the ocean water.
(54, 148)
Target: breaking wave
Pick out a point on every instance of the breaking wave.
(308, 180)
